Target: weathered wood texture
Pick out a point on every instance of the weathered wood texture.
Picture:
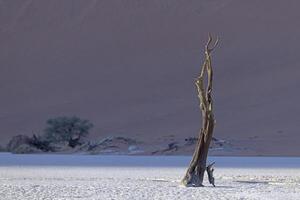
(195, 173)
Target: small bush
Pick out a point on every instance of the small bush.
(39, 142)
(70, 129)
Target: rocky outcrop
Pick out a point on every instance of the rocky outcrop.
(186, 146)
(17, 141)
(22, 144)
(62, 146)
(215, 144)
(2, 149)
(170, 149)
(25, 144)
(112, 145)
(26, 148)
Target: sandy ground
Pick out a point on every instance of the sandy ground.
(128, 66)
(130, 177)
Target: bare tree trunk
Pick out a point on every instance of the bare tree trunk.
(195, 173)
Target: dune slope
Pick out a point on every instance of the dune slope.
(128, 66)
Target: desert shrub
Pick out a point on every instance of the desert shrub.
(39, 142)
(67, 129)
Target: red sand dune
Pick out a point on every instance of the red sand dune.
(128, 66)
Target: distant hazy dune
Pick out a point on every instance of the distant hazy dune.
(128, 66)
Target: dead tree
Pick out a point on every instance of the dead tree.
(195, 173)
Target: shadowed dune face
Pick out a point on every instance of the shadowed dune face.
(128, 66)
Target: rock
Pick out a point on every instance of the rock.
(112, 145)
(190, 140)
(188, 145)
(2, 149)
(17, 141)
(172, 147)
(133, 149)
(60, 146)
(215, 143)
(25, 148)
(26, 144)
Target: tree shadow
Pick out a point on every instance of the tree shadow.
(221, 186)
(253, 182)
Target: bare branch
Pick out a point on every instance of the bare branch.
(210, 170)
(209, 49)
